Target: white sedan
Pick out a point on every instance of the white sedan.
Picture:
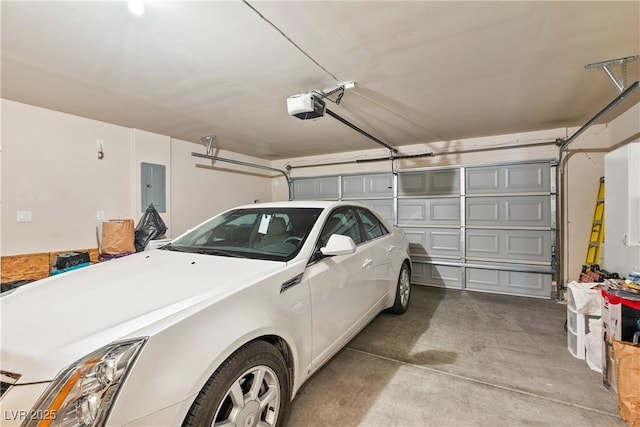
(221, 326)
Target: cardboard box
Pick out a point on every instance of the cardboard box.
(620, 321)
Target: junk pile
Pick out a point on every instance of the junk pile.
(621, 333)
(120, 238)
(593, 274)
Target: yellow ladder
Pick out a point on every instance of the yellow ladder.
(596, 239)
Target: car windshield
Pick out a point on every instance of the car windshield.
(275, 234)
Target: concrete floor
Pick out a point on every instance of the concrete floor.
(459, 358)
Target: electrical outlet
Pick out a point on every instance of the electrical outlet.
(23, 216)
(100, 215)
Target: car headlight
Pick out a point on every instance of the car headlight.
(83, 393)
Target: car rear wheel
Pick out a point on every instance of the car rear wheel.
(403, 291)
(250, 388)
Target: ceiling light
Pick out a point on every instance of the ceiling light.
(136, 7)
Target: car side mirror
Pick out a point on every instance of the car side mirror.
(339, 245)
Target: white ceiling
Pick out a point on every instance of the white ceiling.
(424, 71)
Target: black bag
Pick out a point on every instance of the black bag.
(150, 227)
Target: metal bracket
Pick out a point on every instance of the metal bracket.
(621, 83)
(208, 143)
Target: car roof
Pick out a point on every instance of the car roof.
(324, 204)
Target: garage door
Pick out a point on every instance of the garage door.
(488, 228)
(372, 190)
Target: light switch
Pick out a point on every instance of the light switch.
(23, 216)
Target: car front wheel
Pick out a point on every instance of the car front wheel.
(403, 291)
(251, 388)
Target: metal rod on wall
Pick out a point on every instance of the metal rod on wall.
(251, 165)
(628, 91)
(562, 146)
(371, 160)
(428, 154)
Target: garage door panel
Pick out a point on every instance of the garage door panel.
(527, 282)
(442, 211)
(530, 211)
(412, 212)
(303, 188)
(527, 177)
(487, 280)
(367, 185)
(446, 276)
(524, 246)
(444, 181)
(516, 178)
(434, 241)
(328, 188)
(445, 211)
(482, 180)
(520, 245)
(483, 211)
(425, 183)
(509, 282)
(316, 188)
(383, 207)
(445, 241)
(483, 244)
(514, 211)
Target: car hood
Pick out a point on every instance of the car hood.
(51, 323)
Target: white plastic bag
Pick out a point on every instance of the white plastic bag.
(593, 343)
(585, 298)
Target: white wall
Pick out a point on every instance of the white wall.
(151, 148)
(50, 167)
(201, 188)
(625, 127)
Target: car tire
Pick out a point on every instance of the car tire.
(233, 395)
(403, 291)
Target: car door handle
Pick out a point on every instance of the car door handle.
(391, 248)
(367, 263)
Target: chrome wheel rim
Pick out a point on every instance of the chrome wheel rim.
(252, 400)
(404, 286)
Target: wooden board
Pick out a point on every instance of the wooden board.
(36, 266)
(25, 267)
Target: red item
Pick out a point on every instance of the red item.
(613, 299)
